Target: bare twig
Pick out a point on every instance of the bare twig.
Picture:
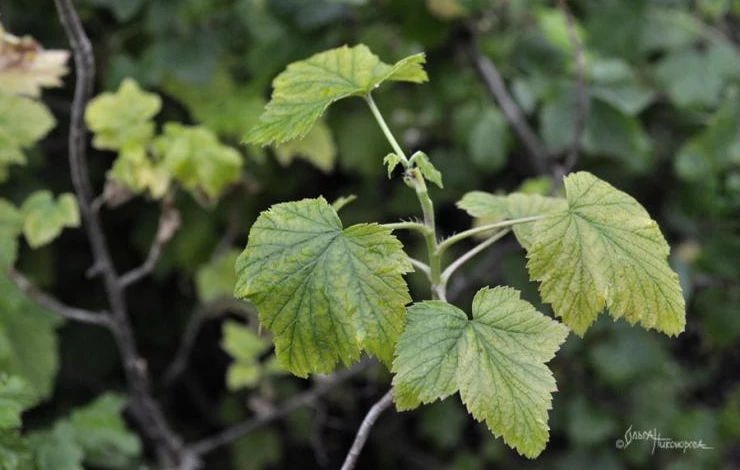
(364, 432)
(581, 92)
(45, 300)
(302, 399)
(169, 222)
(169, 448)
(496, 87)
(201, 313)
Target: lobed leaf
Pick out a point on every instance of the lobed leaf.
(427, 169)
(44, 219)
(604, 250)
(496, 361)
(306, 88)
(326, 292)
(123, 118)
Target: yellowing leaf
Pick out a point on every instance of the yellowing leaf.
(195, 157)
(23, 122)
(26, 67)
(122, 118)
(326, 292)
(135, 170)
(316, 147)
(306, 88)
(44, 219)
(604, 250)
(496, 360)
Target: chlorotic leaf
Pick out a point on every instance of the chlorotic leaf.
(605, 250)
(122, 118)
(496, 360)
(16, 395)
(44, 219)
(195, 157)
(23, 122)
(26, 67)
(427, 169)
(306, 88)
(481, 204)
(391, 161)
(317, 147)
(137, 172)
(326, 292)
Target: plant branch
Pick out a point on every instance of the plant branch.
(384, 127)
(407, 226)
(423, 267)
(581, 92)
(45, 300)
(169, 222)
(364, 432)
(483, 229)
(147, 412)
(497, 88)
(201, 313)
(470, 254)
(233, 433)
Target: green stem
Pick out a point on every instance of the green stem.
(483, 229)
(384, 127)
(407, 226)
(447, 273)
(427, 207)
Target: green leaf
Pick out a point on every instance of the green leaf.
(605, 250)
(242, 343)
(16, 395)
(28, 342)
(488, 140)
(23, 122)
(122, 118)
(326, 292)
(102, 434)
(217, 278)
(11, 225)
(428, 171)
(15, 453)
(391, 161)
(44, 219)
(317, 147)
(57, 448)
(306, 88)
(496, 360)
(195, 157)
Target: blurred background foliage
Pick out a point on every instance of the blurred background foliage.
(663, 124)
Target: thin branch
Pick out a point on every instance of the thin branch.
(45, 300)
(470, 254)
(483, 267)
(497, 88)
(234, 433)
(581, 91)
(364, 432)
(483, 229)
(423, 267)
(201, 313)
(147, 412)
(169, 222)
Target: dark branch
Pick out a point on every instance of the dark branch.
(169, 448)
(302, 399)
(497, 88)
(581, 90)
(169, 222)
(45, 300)
(364, 432)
